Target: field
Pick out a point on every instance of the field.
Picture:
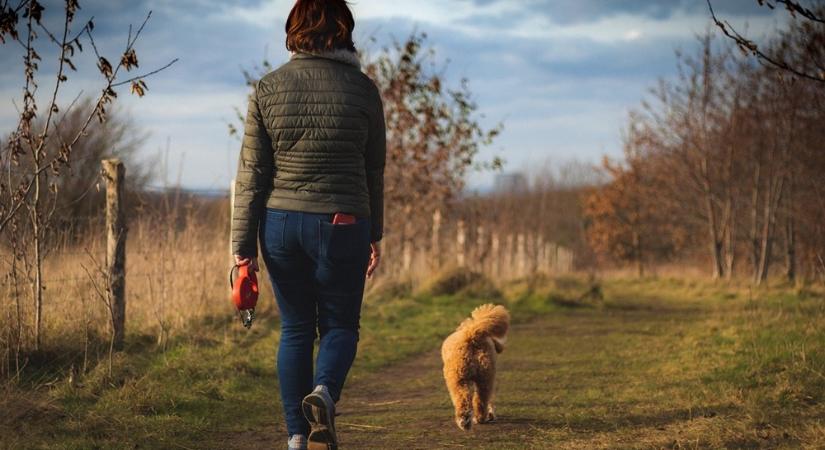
(650, 363)
(666, 282)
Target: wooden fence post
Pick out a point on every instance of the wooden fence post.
(461, 239)
(538, 250)
(406, 243)
(435, 243)
(546, 259)
(495, 256)
(115, 173)
(508, 256)
(480, 252)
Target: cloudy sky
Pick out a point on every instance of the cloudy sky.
(561, 75)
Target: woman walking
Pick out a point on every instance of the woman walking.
(310, 187)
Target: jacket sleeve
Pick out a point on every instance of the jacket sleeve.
(253, 181)
(376, 154)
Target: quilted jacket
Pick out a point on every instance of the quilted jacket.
(314, 141)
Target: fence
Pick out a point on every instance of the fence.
(499, 254)
(171, 272)
(451, 242)
(168, 276)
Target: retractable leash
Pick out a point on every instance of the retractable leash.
(244, 293)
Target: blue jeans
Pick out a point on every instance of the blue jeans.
(318, 272)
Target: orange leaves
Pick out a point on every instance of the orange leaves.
(105, 67)
(129, 59)
(139, 87)
(8, 23)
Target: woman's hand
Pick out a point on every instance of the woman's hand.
(243, 260)
(375, 258)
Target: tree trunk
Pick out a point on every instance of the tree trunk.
(754, 232)
(730, 216)
(713, 229)
(637, 248)
(766, 242)
(730, 248)
(715, 243)
(38, 263)
(790, 237)
(772, 199)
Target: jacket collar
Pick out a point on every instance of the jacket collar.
(340, 55)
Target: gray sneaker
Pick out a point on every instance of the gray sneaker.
(319, 410)
(297, 442)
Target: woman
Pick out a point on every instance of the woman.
(313, 149)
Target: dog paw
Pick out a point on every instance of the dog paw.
(465, 423)
(491, 415)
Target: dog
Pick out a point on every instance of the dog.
(469, 356)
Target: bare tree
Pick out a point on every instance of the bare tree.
(808, 32)
(737, 154)
(30, 170)
(433, 133)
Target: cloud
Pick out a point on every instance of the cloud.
(560, 73)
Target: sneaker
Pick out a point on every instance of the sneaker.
(297, 442)
(319, 410)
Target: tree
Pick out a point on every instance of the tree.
(735, 152)
(626, 219)
(799, 51)
(433, 133)
(27, 198)
(687, 128)
(76, 194)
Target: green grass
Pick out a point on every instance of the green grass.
(221, 378)
(654, 363)
(657, 364)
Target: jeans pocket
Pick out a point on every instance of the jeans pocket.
(342, 243)
(272, 230)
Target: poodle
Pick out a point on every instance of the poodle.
(469, 356)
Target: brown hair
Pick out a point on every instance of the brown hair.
(319, 25)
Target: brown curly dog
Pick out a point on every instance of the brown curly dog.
(469, 356)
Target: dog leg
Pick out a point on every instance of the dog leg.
(482, 401)
(461, 394)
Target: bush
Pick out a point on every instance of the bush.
(461, 281)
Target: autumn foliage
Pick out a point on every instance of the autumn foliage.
(724, 166)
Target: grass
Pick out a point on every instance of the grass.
(654, 363)
(658, 364)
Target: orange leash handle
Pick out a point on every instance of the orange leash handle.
(244, 292)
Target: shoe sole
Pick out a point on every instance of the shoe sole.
(322, 422)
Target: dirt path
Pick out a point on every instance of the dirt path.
(581, 378)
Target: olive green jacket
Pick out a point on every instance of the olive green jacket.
(314, 141)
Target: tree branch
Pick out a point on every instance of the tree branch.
(749, 46)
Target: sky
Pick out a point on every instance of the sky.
(560, 75)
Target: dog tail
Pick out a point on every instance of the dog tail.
(488, 321)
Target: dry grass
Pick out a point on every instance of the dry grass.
(655, 363)
(177, 279)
